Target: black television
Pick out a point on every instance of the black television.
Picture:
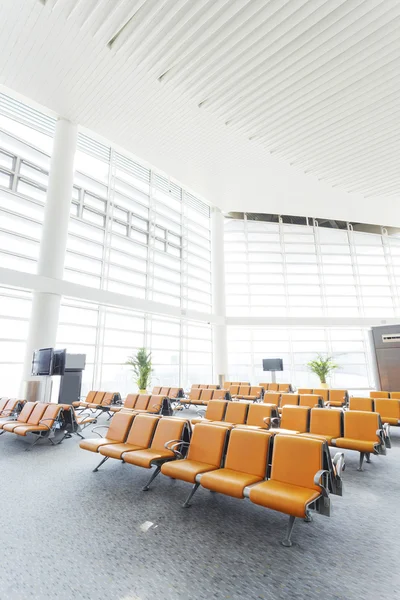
(272, 364)
(42, 361)
(58, 363)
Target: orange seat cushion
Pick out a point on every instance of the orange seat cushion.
(186, 470)
(228, 481)
(285, 431)
(144, 458)
(11, 425)
(24, 429)
(318, 436)
(283, 497)
(94, 445)
(358, 445)
(117, 450)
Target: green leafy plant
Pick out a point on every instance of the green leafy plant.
(141, 367)
(322, 366)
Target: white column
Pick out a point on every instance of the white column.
(218, 280)
(46, 306)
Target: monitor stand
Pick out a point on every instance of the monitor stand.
(273, 376)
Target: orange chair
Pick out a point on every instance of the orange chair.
(23, 417)
(140, 434)
(363, 433)
(116, 433)
(365, 404)
(379, 394)
(337, 398)
(215, 412)
(389, 410)
(236, 413)
(311, 400)
(259, 416)
(206, 450)
(295, 419)
(325, 424)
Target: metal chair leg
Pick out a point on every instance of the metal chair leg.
(29, 448)
(287, 541)
(100, 463)
(362, 455)
(308, 518)
(186, 504)
(154, 474)
(367, 457)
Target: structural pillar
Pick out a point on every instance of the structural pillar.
(220, 343)
(46, 306)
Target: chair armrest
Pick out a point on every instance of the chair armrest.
(172, 444)
(319, 481)
(271, 421)
(338, 463)
(100, 427)
(45, 424)
(201, 412)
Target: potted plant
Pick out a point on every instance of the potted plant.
(322, 367)
(141, 367)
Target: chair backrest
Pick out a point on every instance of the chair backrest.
(360, 425)
(284, 387)
(98, 398)
(258, 412)
(142, 402)
(244, 390)
(207, 444)
(236, 412)
(130, 400)
(274, 387)
(220, 394)
(156, 390)
(296, 460)
(256, 390)
(26, 412)
(387, 408)
(195, 386)
(379, 394)
(107, 398)
(206, 395)
(310, 400)
(338, 395)
(365, 404)
(212, 387)
(164, 391)
(195, 394)
(295, 418)
(174, 392)
(119, 427)
(142, 430)
(90, 397)
(227, 384)
(304, 391)
(248, 452)
(216, 410)
(325, 421)
(272, 397)
(11, 406)
(289, 399)
(168, 428)
(155, 403)
(234, 389)
(395, 395)
(50, 415)
(37, 413)
(323, 393)
(3, 402)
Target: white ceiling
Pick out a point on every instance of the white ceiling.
(287, 106)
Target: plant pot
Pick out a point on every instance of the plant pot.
(142, 391)
(324, 386)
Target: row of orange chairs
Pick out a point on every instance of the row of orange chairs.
(290, 474)
(168, 392)
(151, 403)
(389, 409)
(378, 394)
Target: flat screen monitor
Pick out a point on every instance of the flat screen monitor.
(58, 364)
(41, 362)
(272, 364)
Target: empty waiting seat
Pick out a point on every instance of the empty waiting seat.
(194, 396)
(295, 419)
(175, 392)
(142, 402)
(246, 463)
(298, 479)
(11, 407)
(362, 432)
(379, 394)
(289, 399)
(365, 404)
(395, 395)
(325, 424)
(215, 412)
(33, 419)
(304, 391)
(259, 416)
(140, 434)
(205, 453)
(221, 395)
(244, 390)
(311, 400)
(337, 398)
(164, 391)
(156, 390)
(116, 432)
(129, 403)
(272, 397)
(253, 393)
(323, 393)
(235, 414)
(84, 403)
(22, 418)
(284, 387)
(389, 410)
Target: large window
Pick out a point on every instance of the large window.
(349, 347)
(282, 270)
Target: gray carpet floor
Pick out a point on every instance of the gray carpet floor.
(69, 533)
